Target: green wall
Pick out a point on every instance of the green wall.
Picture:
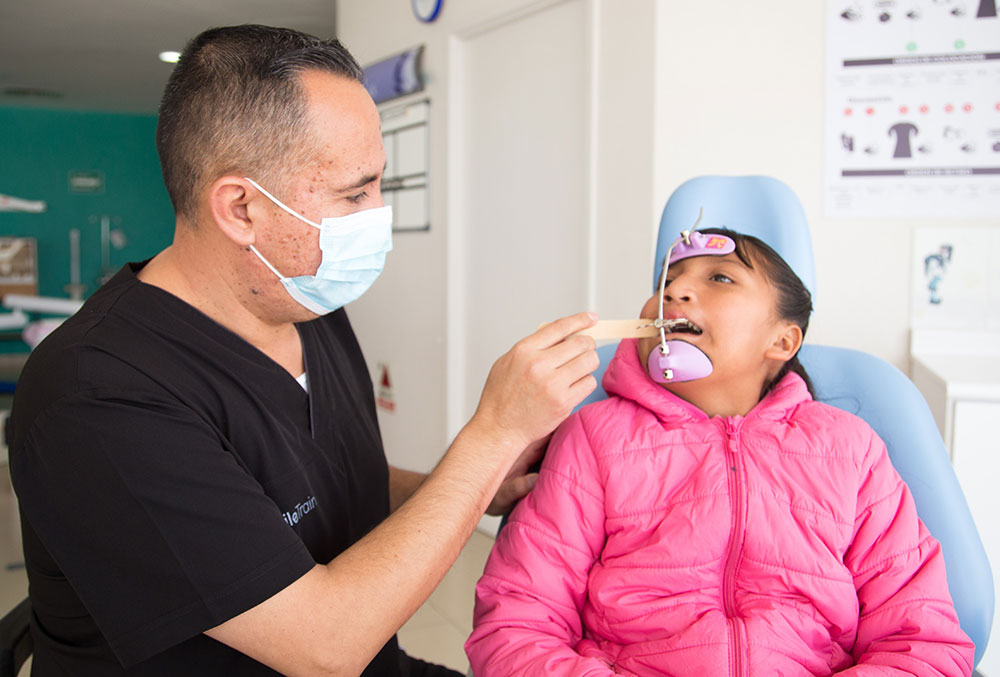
(38, 151)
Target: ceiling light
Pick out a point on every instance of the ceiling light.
(170, 57)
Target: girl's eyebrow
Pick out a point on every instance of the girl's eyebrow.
(723, 260)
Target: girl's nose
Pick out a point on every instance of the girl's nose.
(679, 289)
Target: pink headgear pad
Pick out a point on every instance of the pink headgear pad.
(702, 244)
(683, 362)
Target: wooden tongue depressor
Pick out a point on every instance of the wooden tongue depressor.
(619, 329)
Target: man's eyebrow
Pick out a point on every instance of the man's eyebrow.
(363, 181)
(360, 183)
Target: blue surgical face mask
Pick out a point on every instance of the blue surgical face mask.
(354, 249)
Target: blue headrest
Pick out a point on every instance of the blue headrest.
(755, 205)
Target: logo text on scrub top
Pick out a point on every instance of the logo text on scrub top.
(300, 510)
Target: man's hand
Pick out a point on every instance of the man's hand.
(366, 593)
(536, 384)
(519, 481)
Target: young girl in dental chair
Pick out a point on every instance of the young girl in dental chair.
(709, 517)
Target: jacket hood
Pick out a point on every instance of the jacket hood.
(626, 377)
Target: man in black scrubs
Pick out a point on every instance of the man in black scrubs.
(201, 478)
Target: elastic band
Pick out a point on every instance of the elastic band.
(267, 263)
(281, 204)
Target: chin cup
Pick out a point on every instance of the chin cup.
(683, 362)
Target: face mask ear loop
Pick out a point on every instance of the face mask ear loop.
(686, 237)
(281, 204)
(267, 263)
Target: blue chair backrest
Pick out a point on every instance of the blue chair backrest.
(755, 205)
(851, 380)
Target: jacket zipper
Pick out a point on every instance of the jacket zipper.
(738, 501)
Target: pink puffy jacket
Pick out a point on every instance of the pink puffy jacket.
(659, 541)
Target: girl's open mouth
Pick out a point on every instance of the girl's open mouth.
(681, 325)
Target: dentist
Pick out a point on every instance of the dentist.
(196, 455)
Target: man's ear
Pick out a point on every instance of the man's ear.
(786, 344)
(228, 200)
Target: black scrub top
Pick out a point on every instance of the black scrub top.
(171, 476)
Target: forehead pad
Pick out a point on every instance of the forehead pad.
(702, 244)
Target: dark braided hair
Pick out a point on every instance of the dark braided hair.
(794, 300)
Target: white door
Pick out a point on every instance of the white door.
(518, 233)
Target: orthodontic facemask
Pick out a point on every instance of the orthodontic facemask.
(676, 360)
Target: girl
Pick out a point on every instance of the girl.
(709, 517)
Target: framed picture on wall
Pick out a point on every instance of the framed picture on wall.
(407, 152)
(18, 266)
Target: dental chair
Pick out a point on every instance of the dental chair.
(851, 380)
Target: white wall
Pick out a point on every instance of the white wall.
(676, 90)
(412, 317)
(401, 320)
(740, 90)
(520, 161)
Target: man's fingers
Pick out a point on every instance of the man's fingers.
(553, 381)
(534, 452)
(530, 457)
(579, 391)
(570, 348)
(527, 391)
(552, 333)
(519, 487)
(562, 368)
(578, 366)
(510, 492)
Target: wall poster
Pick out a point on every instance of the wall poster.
(956, 281)
(912, 108)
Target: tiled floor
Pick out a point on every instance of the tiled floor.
(436, 633)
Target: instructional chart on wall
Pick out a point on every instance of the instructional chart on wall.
(912, 108)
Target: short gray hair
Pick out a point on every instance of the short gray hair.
(234, 103)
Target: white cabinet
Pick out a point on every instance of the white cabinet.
(959, 376)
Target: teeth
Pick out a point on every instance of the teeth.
(681, 325)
